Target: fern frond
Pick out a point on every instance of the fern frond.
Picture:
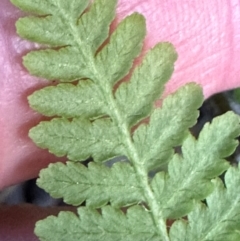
(94, 115)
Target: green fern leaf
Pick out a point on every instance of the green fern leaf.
(60, 26)
(218, 220)
(69, 100)
(112, 224)
(98, 116)
(168, 128)
(144, 85)
(68, 63)
(189, 177)
(77, 60)
(79, 139)
(97, 184)
(45, 30)
(124, 45)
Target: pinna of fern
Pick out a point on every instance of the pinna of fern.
(94, 116)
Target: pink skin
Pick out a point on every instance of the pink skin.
(206, 35)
